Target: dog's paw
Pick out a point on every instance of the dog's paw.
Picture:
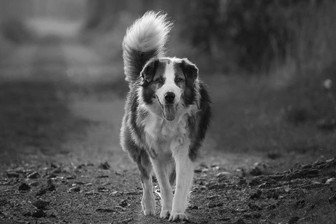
(165, 213)
(149, 211)
(174, 216)
(148, 207)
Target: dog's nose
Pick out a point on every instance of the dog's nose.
(170, 97)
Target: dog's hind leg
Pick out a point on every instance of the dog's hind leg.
(145, 167)
(184, 178)
(163, 168)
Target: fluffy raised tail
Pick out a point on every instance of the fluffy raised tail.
(145, 39)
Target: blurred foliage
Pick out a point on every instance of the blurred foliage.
(254, 34)
(15, 30)
(237, 35)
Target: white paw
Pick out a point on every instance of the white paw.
(149, 211)
(165, 213)
(174, 216)
(148, 206)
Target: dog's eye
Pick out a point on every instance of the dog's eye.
(179, 80)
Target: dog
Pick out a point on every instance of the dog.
(167, 114)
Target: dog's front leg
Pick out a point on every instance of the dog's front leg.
(184, 178)
(162, 170)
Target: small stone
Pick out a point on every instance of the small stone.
(71, 177)
(293, 220)
(224, 219)
(331, 181)
(50, 186)
(212, 186)
(332, 199)
(241, 182)
(102, 176)
(125, 221)
(24, 187)
(254, 207)
(90, 192)
(213, 205)
(256, 171)
(212, 197)
(256, 195)
(52, 165)
(201, 168)
(104, 166)
(275, 195)
(41, 192)
(222, 174)
(102, 189)
(253, 215)
(12, 175)
(240, 221)
(103, 210)
(74, 189)
(123, 203)
(33, 175)
(198, 170)
(79, 183)
(300, 203)
(39, 213)
(271, 207)
(80, 166)
(192, 207)
(255, 182)
(114, 193)
(40, 204)
(34, 184)
(58, 170)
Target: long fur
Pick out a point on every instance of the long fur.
(157, 138)
(144, 40)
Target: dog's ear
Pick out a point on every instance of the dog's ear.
(149, 70)
(189, 69)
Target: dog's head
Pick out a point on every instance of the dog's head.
(169, 86)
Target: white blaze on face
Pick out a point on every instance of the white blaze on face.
(169, 86)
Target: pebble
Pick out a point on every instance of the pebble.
(123, 203)
(213, 205)
(104, 166)
(332, 199)
(24, 187)
(293, 220)
(12, 175)
(40, 204)
(256, 195)
(33, 175)
(102, 210)
(74, 189)
(39, 213)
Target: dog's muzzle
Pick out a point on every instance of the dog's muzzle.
(169, 107)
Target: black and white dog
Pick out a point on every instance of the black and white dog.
(167, 114)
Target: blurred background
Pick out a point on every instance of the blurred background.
(269, 65)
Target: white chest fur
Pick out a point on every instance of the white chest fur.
(165, 137)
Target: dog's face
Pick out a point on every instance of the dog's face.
(169, 86)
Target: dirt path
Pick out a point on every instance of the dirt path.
(61, 106)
